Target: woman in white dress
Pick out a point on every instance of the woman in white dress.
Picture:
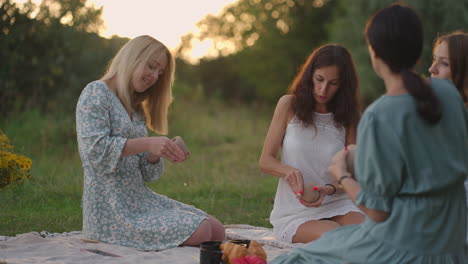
(317, 118)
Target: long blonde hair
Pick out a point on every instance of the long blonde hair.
(154, 102)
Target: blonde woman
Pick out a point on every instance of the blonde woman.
(118, 156)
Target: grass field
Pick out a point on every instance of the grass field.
(221, 176)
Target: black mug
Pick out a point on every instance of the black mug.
(210, 252)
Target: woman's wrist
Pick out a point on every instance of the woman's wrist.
(152, 158)
(343, 177)
(137, 145)
(149, 142)
(331, 188)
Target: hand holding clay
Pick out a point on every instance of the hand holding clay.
(350, 158)
(310, 195)
(180, 142)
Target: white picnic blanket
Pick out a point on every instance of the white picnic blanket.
(70, 247)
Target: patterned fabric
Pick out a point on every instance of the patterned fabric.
(310, 150)
(117, 206)
(53, 248)
(413, 170)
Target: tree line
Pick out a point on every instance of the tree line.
(50, 51)
(272, 38)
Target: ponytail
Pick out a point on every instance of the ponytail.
(427, 104)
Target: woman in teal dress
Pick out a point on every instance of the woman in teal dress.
(118, 156)
(411, 161)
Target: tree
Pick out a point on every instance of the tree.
(266, 40)
(438, 16)
(49, 52)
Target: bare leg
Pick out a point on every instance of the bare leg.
(218, 232)
(209, 229)
(202, 234)
(313, 230)
(349, 218)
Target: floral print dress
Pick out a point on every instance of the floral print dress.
(118, 208)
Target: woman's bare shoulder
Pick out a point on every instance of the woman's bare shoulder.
(285, 106)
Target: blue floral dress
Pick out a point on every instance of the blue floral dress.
(413, 170)
(117, 206)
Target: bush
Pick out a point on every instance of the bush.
(13, 167)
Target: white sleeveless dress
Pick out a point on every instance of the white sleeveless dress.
(309, 150)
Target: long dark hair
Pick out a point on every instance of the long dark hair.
(345, 104)
(395, 33)
(457, 43)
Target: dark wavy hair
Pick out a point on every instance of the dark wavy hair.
(345, 103)
(395, 33)
(457, 43)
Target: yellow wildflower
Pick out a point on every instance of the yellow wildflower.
(13, 167)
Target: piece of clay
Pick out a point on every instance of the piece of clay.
(309, 195)
(180, 142)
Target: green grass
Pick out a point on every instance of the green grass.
(221, 176)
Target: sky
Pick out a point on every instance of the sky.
(165, 20)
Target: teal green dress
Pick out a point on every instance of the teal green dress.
(413, 170)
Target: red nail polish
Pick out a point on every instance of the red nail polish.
(346, 148)
(302, 202)
(301, 192)
(316, 188)
(295, 193)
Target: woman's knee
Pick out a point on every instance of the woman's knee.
(218, 231)
(313, 230)
(328, 225)
(351, 218)
(202, 234)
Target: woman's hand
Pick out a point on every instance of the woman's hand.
(322, 191)
(295, 181)
(166, 148)
(338, 166)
